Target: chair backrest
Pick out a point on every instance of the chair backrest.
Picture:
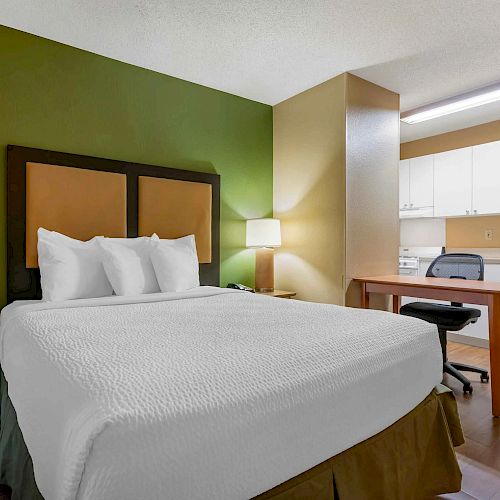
(466, 266)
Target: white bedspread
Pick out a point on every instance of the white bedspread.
(208, 394)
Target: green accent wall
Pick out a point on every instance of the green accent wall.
(56, 97)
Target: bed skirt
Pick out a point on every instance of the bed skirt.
(16, 467)
(412, 459)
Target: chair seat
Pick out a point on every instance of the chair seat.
(446, 317)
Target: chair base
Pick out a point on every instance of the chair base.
(456, 369)
(453, 369)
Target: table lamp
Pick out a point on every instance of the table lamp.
(264, 235)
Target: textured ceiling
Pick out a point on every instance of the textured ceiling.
(269, 50)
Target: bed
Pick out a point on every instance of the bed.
(209, 393)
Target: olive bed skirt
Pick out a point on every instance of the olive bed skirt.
(411, 459)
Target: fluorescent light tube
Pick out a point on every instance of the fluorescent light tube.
(461, 102)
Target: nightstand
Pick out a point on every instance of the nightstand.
(283, 294)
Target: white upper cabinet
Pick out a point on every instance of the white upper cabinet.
(422, 181)
(486, 178)
(453, 183)
(404, 184)
(416, 180)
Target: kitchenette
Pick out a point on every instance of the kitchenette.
(449, 201)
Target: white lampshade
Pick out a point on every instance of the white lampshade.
(263, 233)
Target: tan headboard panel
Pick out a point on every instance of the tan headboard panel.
(75, 202)
(173, 208)
(84, 196)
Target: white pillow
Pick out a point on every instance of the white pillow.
(127, 242)
(69, 268)
(175, 263)
(128, 266)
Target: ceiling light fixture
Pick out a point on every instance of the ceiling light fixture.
(479, 97)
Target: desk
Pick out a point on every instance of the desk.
(452, 290)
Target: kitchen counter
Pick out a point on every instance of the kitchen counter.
(487, 260)
(490, 255)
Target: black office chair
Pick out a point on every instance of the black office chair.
(451, 317)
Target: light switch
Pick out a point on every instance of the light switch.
(488, 234)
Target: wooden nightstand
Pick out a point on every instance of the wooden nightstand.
(283, 294)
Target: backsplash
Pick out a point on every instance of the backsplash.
(459, 232)
(425, 232)
(471, 232)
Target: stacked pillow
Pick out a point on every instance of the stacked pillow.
(73, 269)
(175, 263)
(127, 264)
(70, 269)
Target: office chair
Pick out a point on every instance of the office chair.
(455, 316)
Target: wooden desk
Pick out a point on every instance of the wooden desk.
(452, 290)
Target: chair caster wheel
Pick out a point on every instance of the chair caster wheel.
(485, 378)
(467, 389)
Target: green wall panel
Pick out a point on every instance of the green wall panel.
(53, 96)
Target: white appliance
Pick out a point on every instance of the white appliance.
(412, 260)
(424, 252)
(408, 266)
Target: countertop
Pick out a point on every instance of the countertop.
(490, 255)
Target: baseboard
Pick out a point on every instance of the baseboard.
(466, 339)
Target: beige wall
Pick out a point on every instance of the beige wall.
(480, 134)
(327, 176)
(468, 232)
(309, 194)
(462, 232)
(372, 159)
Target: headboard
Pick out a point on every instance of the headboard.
(83, 196)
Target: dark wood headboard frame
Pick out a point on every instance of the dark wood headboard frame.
(23, 282)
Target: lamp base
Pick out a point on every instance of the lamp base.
(264, 270)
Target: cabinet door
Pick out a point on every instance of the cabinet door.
(404, 184)
(453, 183)
(422, 181)
(486, 178)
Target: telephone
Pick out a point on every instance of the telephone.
(239, 286)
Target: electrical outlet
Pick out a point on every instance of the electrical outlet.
(488, 234)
